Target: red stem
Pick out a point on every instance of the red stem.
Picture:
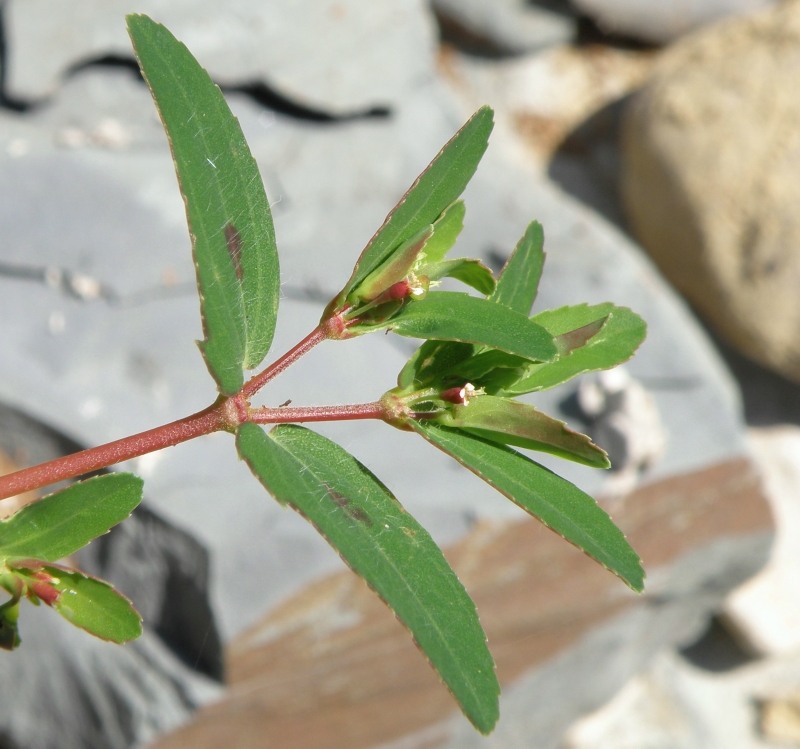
(203, 422)
(225, 414)
(287, 415)
(255, 383)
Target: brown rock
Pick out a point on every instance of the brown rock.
(710, 179)
(333, 668)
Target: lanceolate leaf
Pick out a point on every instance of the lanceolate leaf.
(396, 268)
(554, 501)
(387, 547)
(454, 316)
(617, 340)
(519, 280)
(445, 232)
(62, 523)
(93, 605)
(226, 206)
(470, 272)
(434, 190)
(513, 423)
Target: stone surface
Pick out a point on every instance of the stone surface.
(671, 705)
(624, 418)
(676, 704)
(660, 23)
(65, 688)
(766, 610)
(565, 633)
(364, 59)
(540, 98)
(504, 27)
(711, 156)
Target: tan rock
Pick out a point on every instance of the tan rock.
(711, 179)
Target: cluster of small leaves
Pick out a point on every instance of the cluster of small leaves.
(458, 391)
(487, 343)
(34, 539)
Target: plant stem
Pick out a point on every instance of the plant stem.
(255, 383)
(224, 414)
(70, 466)
(285, 415)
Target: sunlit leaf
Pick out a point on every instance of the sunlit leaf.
(396, 268)
(432, 362)
(553, 500)
(454, 316)
(445, 232)
(433, 191)
(58, 525)
(226, 206)
(94, 605)
(618, 338)
(387, 547)
(471, 272)
(518, 283)
(513, 423)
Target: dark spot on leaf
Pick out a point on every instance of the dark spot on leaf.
(234, 242)
(567, 342)
(356, 513)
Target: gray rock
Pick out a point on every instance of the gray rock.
(65, 688)
(660, 23)
(709, 180)
(337, 57)
(504, 27)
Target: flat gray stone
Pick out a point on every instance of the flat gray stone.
(504, 27)
(338, 56)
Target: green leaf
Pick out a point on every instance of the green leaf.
(519, 280)
(9, 630)
(514, 423)
(446, 229)
(615, 343)
(432, 362)
(396, 268)
(58, 525)
(551, 499)
(433, 191)
(226, 206)
(454, 316)
(470, 272)
(387, 547)
(490, 365)
(94, 605)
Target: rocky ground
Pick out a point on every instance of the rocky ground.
(659, 161)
